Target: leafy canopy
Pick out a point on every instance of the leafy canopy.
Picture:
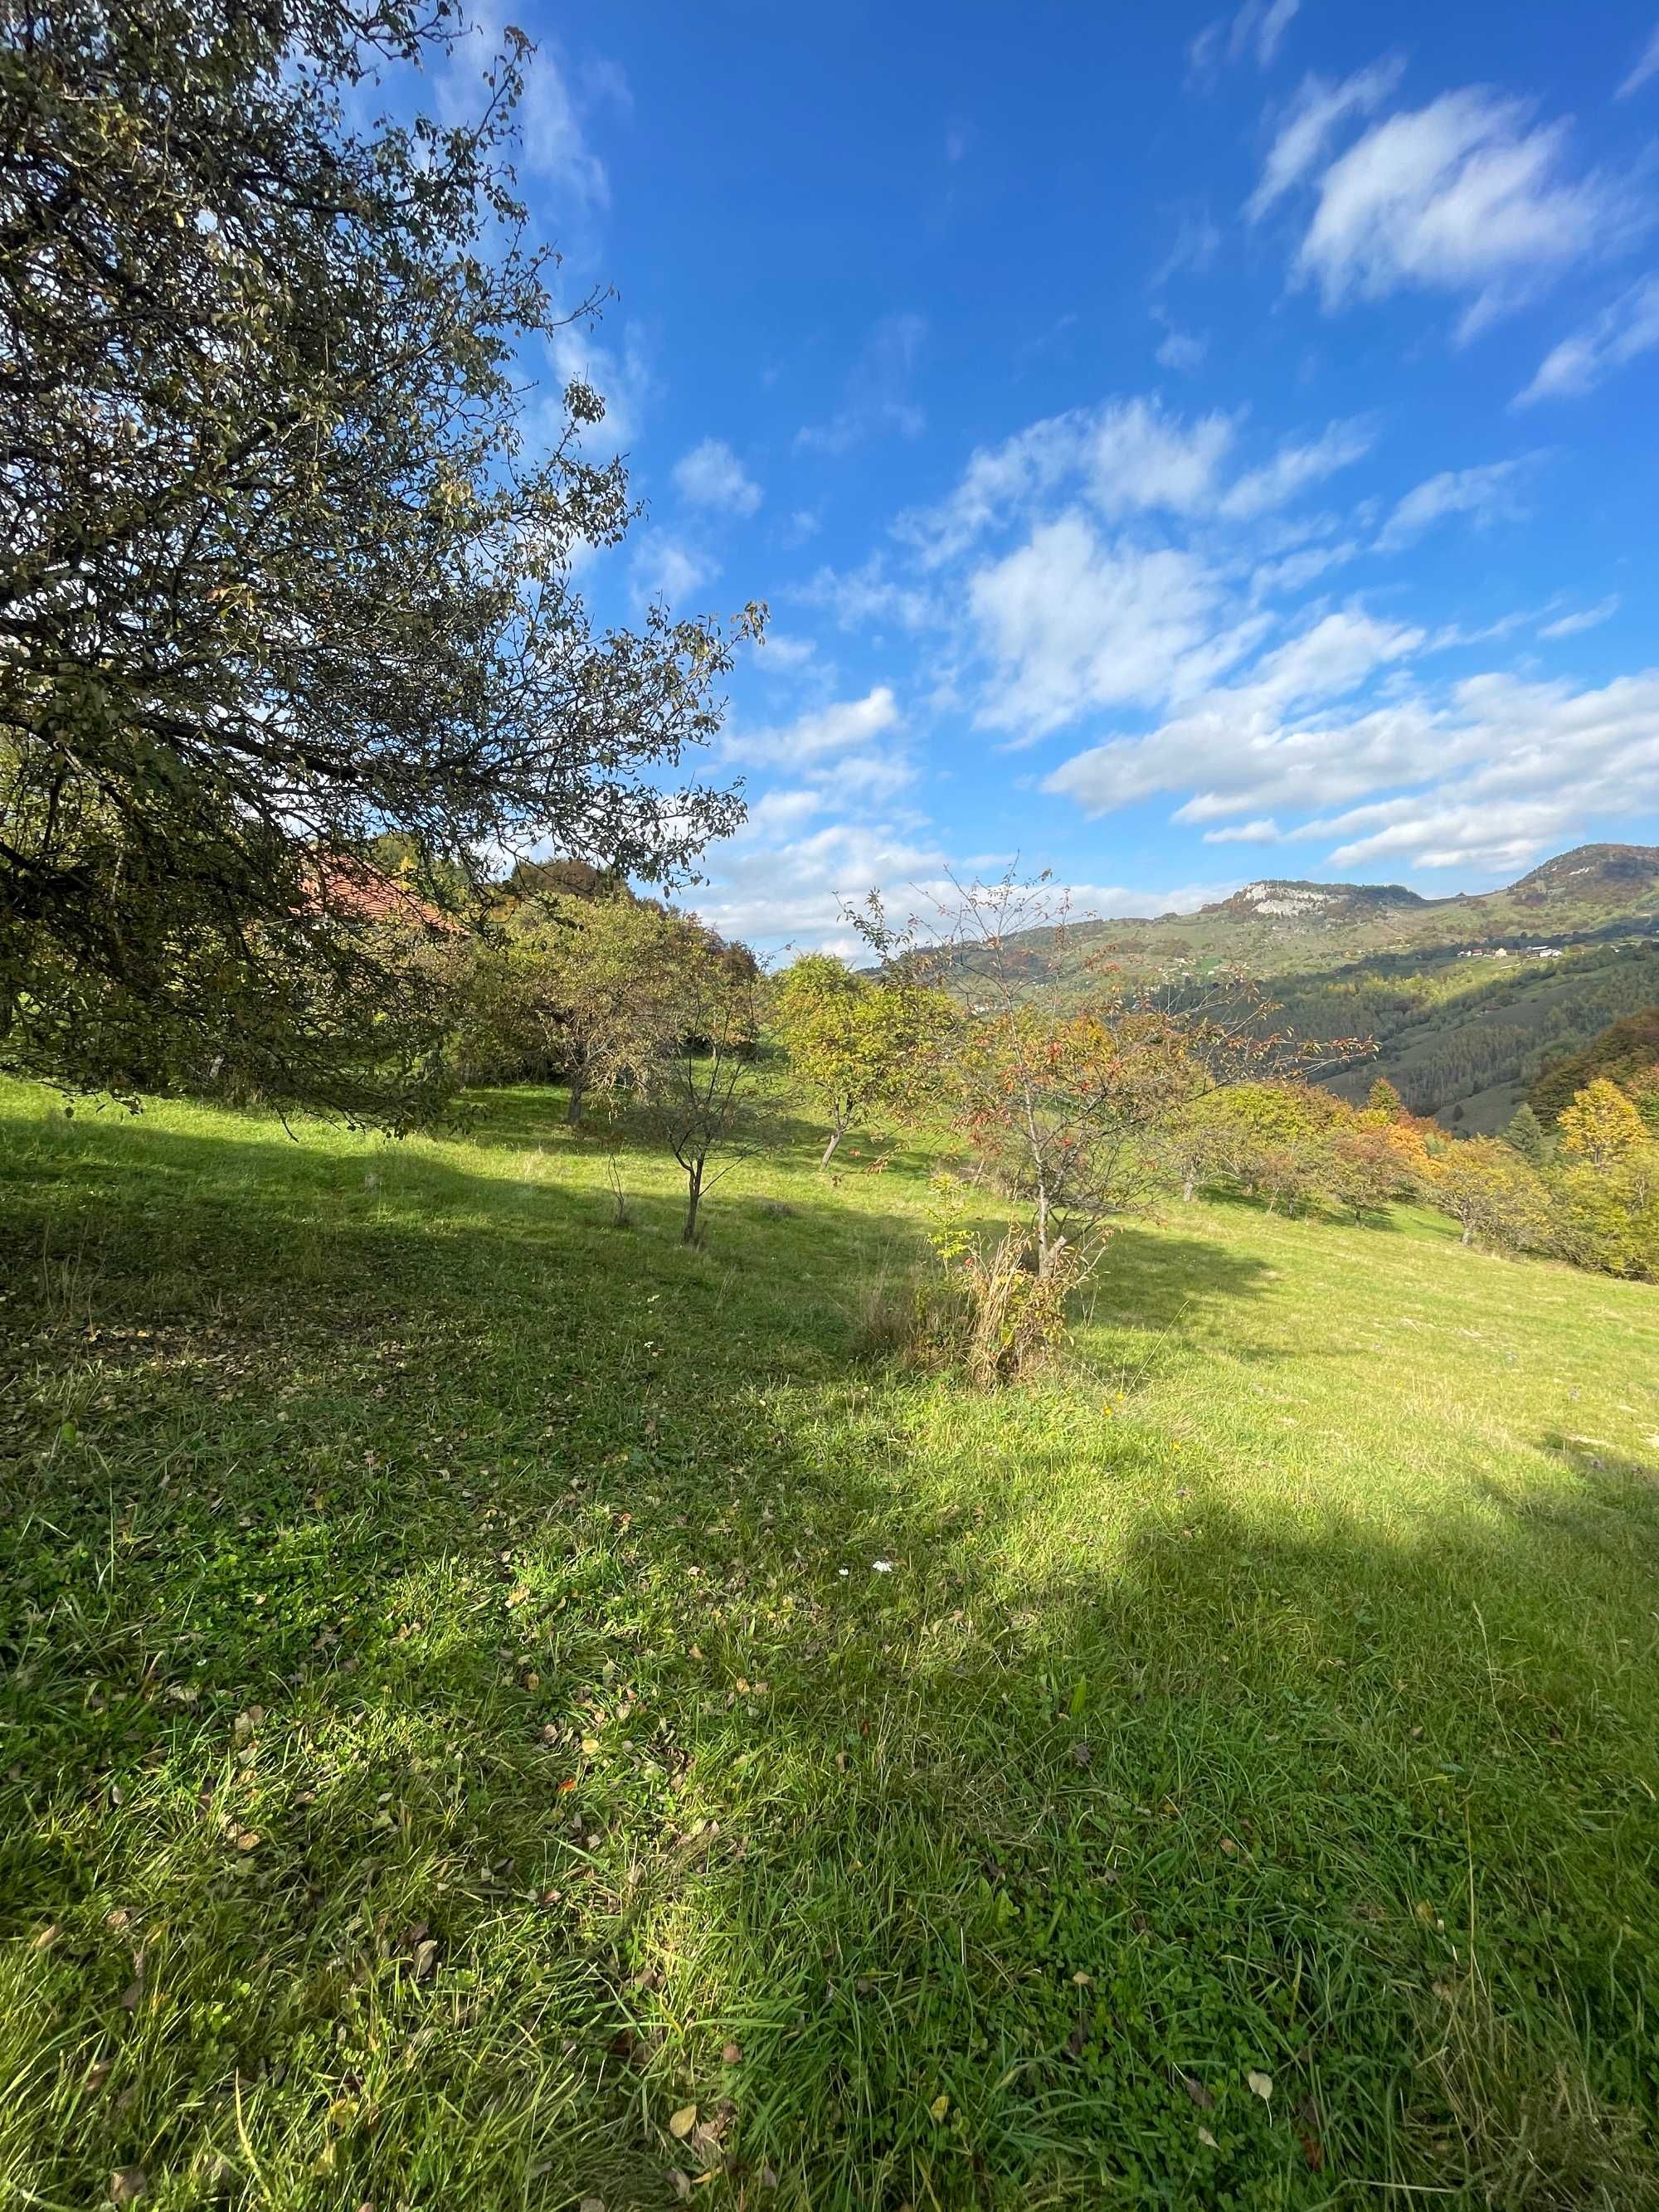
(858, 1044)
(282, 568)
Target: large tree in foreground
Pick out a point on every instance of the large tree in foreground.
(282, 567)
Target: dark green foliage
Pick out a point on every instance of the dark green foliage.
(1526, 1134)
(1626, 1048)
(280, 573)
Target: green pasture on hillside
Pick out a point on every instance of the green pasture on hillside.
(501, 1710)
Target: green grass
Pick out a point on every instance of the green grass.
(455, 1719)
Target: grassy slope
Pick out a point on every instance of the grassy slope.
(1277, 1693)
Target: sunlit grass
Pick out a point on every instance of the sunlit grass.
(483, 1682)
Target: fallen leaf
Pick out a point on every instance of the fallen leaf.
(593, 2205)
(1196, 2090)
(682, 2182)
(731, 2053)
(683, 2122)
(1207, 2139)
(425, 1958)
(1261, 2084)
(939, 2107)
(127, 2184)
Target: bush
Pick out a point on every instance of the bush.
(1014, 1317)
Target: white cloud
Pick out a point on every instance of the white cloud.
(770, 884)
(712, 475)
(1137, 456)
(1258, 29)
(1488, 494)
(789, 872)
(877, 394)
(867, 597)
(1294, 468)
(1073, 621)
(1235, 745)
(1468, 195)
(1646, 65)
(1486, 773)
(1586, 618)
(1295, 571)
(838, 728)
(1430, 836)
(1127, 457)
(780, 653)
(1309, 125)
(1181, 351)
(1618, 334)
(666, 567)
(1269, 26)
(1197, 242)
(551, 120)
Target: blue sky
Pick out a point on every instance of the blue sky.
(1176, 448)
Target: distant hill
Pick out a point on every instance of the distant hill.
(1468, 998)
(1280, 925)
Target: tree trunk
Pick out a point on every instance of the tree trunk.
(578, 1091)
(693, 1200)
(1187, 1189)
(1468, 1236)
(835, 1136)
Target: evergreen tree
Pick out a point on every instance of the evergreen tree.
(1525, 1133)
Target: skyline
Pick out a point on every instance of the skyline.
(1175, 453)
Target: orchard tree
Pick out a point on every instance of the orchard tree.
(1066, 1101)
(859, 1045)
(288, 548)
(1600, 1128)
(704, 1099)
(1196, 1145)
(1492, 1193)
(1369, 1166)
(600, 986)
(1279, 1135)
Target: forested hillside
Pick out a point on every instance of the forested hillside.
(1465, 1039)
(1467, 999)
(1624, 1053)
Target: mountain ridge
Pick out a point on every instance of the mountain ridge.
(1277, 923)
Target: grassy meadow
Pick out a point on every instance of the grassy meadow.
(501, 1710)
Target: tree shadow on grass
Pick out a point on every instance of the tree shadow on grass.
(1613, 1504)
(455, 1703)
